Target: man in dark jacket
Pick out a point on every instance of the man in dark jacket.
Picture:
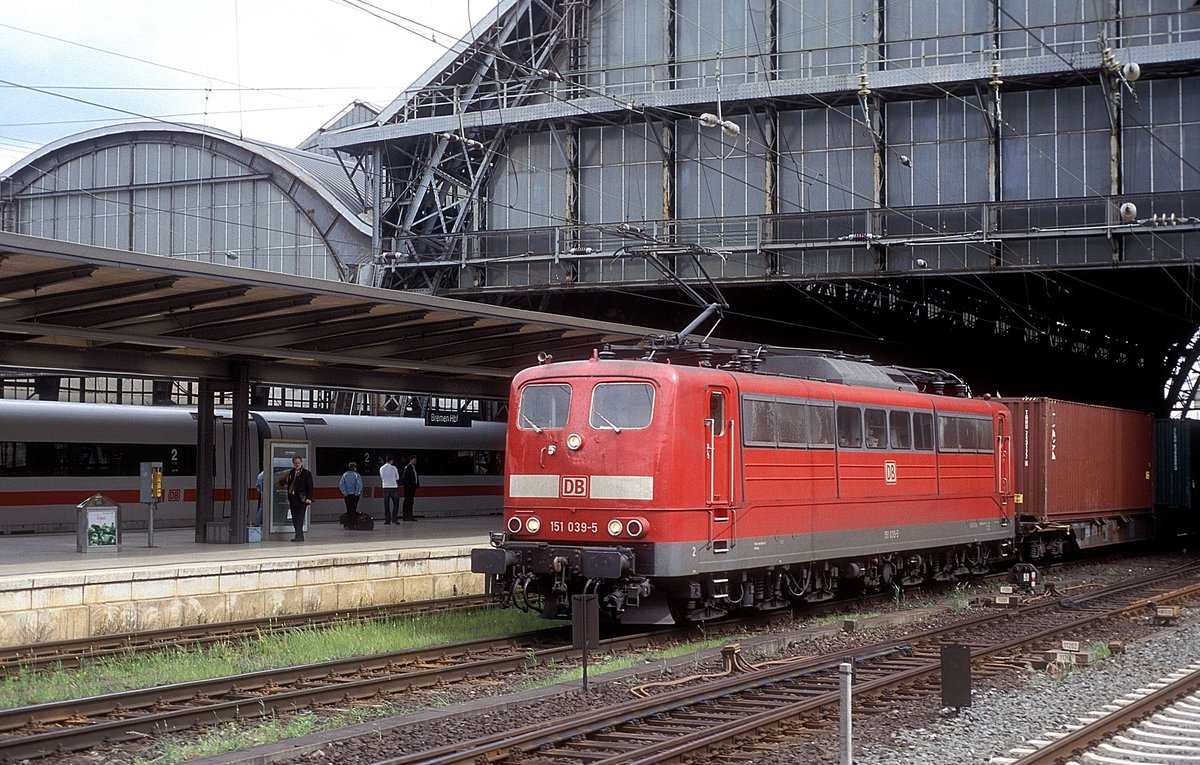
(300, 495)
(411, 481)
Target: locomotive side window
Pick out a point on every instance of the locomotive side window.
(616, 406)
(965, 434)
(758, 423)
(947, 434)
(876, 421)
(849, 427)
(820, 425)
(923, 431)
(544, 406)
(900, 430)
(786, 423)
(792, 425)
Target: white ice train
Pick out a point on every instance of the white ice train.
(53, 455)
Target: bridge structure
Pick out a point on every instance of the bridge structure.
(1006, 188)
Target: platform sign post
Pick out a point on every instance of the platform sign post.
(152, 493)
(585, 628)
(277, 514)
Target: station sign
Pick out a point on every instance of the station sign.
(448, 419)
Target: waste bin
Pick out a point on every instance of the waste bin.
(98, 525)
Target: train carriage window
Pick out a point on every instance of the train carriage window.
(876, 428)
(849, 427)
(900, 430)
(791, 427)
(544, 406)
(758, 422)
(923, 431)
(616, 406)
(820, 425)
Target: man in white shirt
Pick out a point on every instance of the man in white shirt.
(389, 474)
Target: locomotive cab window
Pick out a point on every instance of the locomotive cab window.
(616, 406)
(544, 406)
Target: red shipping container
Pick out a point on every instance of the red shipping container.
(1075, 462)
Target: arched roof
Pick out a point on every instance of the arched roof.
(323, 174)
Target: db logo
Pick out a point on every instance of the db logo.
(574, 486)
(889, 472)
(174, 495)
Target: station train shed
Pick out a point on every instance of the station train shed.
(74, 309)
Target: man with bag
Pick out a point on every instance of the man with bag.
(351, 486)
(300, 495)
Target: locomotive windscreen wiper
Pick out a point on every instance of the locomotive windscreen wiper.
(607, 421)
(531, 423)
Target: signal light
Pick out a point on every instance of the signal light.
(614, 527)
(514, 524)
(533, 524)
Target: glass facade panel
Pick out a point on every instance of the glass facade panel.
(1042, 161)
(818, 38)
(528, 186)
(826, 161)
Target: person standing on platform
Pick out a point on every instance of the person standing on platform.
(258, 514)
(390, 476)
(300, 495)
(351, 486)
(411, 482)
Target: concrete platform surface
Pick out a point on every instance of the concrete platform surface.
(51, 591)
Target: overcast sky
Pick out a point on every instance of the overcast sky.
(270, 70)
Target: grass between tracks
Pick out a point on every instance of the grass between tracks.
(302, 646)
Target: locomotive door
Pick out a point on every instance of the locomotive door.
(1003, 454)
(719, 453)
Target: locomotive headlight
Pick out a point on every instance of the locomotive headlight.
(514, 524)
(574, 441)
(634, 527)
(533, 524)
(614, 527)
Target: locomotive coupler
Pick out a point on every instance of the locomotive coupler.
(558, 601)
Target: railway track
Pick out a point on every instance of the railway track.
(1156, 724)
(66, 654)
(748, 707)
(73, 725)
(47, 729)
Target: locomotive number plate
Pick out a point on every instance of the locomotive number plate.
(574, 486)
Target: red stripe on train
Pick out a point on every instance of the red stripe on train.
(133, 496)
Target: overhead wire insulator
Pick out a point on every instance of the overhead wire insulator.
(864, 82)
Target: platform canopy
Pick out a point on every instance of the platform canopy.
(79, 309)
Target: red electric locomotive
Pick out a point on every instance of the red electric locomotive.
(683, 492)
